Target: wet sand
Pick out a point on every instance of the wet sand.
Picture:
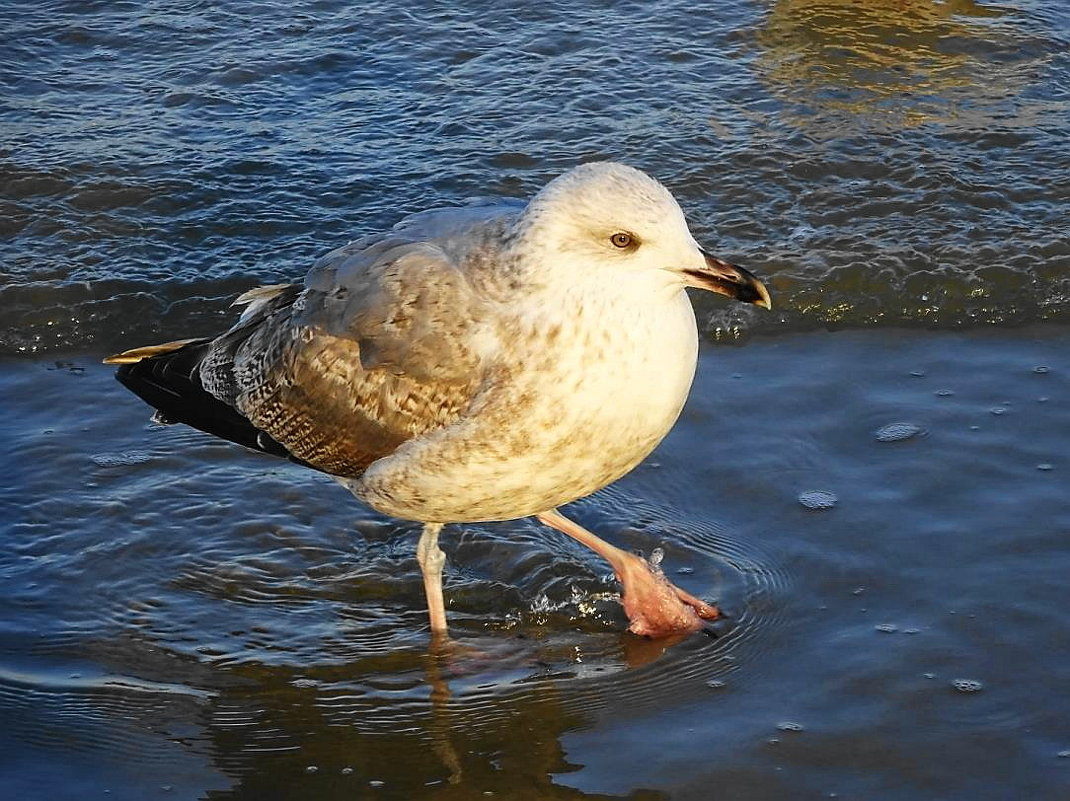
(187, 620)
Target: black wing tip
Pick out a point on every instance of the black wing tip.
(170, 383)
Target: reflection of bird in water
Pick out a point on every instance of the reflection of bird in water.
(871, 56)
(474, 364)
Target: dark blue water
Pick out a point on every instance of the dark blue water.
(181, 619)
(902, 165)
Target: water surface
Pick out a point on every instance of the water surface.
(179, 618)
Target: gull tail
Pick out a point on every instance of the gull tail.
(167, 377)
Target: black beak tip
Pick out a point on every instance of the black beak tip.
(731, 281)
(756, 293)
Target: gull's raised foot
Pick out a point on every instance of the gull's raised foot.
(655, 606)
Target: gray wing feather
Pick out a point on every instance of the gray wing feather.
(411, 312)
(379, 346)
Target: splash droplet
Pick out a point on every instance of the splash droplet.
(656, 557)
(967, 685)
(887, 628)
(789, 725)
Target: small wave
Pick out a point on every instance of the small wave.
(86, 713)
(863, 295)
(105, 316)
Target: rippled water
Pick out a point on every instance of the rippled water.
(180, 618)
(879, 164)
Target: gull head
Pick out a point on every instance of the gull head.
(613, 221)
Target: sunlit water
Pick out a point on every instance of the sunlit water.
(882, 512)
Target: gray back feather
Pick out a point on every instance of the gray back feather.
(380, 345)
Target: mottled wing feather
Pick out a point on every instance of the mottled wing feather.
(378, 348)
(411, 315)
(266, 311)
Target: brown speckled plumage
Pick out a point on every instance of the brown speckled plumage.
(377, 348)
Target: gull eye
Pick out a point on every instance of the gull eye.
(621, 240)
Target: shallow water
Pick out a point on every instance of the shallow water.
(181, 613)
(882, 508)
(879, 165)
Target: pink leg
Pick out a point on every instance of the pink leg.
(654, 606)
(431, 560)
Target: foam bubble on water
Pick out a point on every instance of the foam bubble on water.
(121, 459)
(967, 685)
(1040, 369)
(715, 684)
(944, 393)
(897, 432)
(887, 628)
(818, 499)
(1045, 466)
(789, 725)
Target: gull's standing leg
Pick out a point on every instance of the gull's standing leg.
(431, 559)
(653, 604)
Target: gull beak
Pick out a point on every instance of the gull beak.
(728, 279)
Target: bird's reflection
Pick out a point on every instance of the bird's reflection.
(442, 650)
(279, 734)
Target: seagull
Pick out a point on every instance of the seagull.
(473, 364)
